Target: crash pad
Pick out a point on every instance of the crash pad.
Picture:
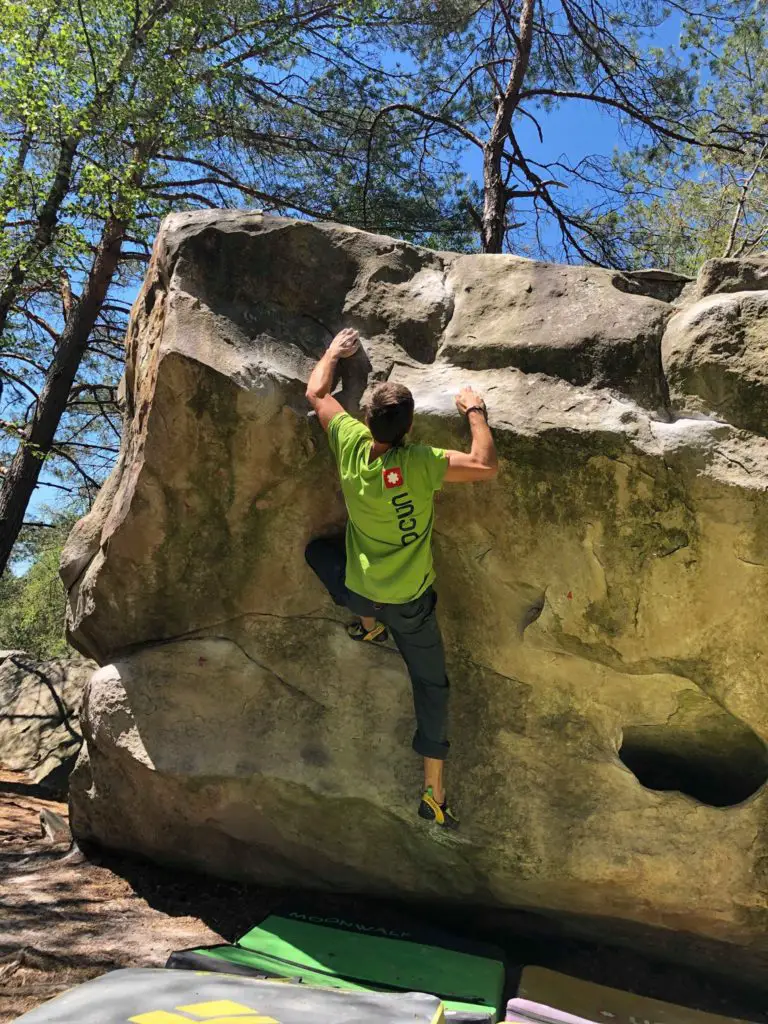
(363, 956)
(546, 996)
(149, 996)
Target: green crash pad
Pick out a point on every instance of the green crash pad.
(147, 996)
(355, 956)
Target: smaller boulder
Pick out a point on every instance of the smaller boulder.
(5, 655)
(732, 275)
(665, 285)
(54, 827)
(39, 730)
(715, 357)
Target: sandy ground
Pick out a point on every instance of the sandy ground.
(65, 918)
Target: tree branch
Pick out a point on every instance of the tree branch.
(94, 68)
(66, 293)
(19, 382)
(626, 108)
(424, 115)
(742, 203)
(43, 324)
(91, 485)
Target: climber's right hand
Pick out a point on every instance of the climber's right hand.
(345, 344)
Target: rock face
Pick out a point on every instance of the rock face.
(733, 275)
(39, 702)
(715, 356)
(603, 602)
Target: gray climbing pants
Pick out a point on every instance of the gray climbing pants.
(414, 629)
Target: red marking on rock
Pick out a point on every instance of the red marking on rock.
(570, 595)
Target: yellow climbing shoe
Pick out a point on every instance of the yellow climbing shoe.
(377, 635)
(440, 814)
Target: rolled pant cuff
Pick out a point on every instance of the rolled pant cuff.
(431, 748)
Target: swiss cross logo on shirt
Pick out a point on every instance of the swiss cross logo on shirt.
(393, 477)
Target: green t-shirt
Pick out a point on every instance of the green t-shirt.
(391, 509)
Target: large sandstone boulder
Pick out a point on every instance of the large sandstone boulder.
(603, 602)
(39, 704)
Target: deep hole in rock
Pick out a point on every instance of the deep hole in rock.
(712, 757)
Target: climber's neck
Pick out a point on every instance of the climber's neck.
(378, 448)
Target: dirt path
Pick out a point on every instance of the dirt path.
(65, 919)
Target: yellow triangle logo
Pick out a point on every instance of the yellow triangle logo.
(219, 1011)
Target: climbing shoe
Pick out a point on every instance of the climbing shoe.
(441, 814)
(377, 635)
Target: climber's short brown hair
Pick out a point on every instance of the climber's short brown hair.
(389, 413)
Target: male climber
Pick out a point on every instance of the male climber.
(384, 573)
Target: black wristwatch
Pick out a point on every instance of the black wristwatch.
(477, 408)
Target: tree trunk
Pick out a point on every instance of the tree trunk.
(21, 479)
(494, 201)
(495, 195)
(47, 222)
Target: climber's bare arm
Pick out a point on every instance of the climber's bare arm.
(344, 345)
(480, 463)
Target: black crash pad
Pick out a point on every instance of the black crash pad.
(149, 996)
